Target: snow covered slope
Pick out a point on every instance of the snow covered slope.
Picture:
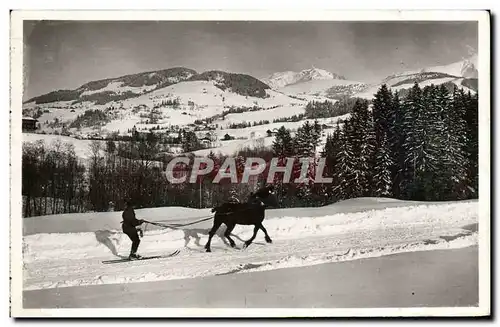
(466, 68)
(81, 147)
(462, 73)
(326, 88)
(310, 236)
(313, 82)
(282, 79)
(118, 88)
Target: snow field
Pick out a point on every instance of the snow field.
(315, 86)
(96, 221)
(82, 147)
(118, 88)
(256, 116)
(207, 94)
(70, 259)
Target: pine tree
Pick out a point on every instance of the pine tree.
(412, 129)
(382, 112)
(331, 153)
(384, 115)
(283, 148)
(396, 138)
(316, 135)
(190, 142)
(304, 140)
(240, 167)
(463, 129)
(430, 162)
(303, 189)
(345, 166)
(472, 144)
(382, 179)
(304, 147)
(361, 136)
(451, 161)
(368, 154)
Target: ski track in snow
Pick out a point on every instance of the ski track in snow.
(73, 259)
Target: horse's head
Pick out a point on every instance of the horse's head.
(266, 195)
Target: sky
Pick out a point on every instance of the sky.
(65, 55)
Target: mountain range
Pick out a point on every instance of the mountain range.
(226, 101)
(129, 86)
(313, 81)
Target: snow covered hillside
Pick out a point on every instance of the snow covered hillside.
(313, 82)
(179, 104)
(326, 88)
(67, 250)
(466, 68)
(462, 73)
(118, 88)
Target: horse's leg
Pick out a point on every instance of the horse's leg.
(211, 234)
(255, 230)
(223, 238)
(196, 239)
(186, 238)
(227, 234)
(268, 239)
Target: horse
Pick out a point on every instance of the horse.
(250, 213)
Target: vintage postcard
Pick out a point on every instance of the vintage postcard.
(250, 164)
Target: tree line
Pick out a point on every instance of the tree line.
(423, 147)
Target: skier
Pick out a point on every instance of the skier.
(129, 227)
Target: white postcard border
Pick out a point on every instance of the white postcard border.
(16, 87)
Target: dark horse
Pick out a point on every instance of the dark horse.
(249, 213)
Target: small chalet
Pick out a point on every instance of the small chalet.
(29, 124)
(206, 142)
(210, 139)
(271, 132)
(211, 136)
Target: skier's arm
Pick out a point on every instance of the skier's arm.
(136, 221)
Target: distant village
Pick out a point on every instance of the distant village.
(172, 135)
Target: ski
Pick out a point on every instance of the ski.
(176, 252)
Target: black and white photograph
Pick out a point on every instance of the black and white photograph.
(232, 164)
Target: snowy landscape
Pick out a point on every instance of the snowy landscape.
(60, 255)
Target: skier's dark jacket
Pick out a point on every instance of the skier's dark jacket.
(129, 219)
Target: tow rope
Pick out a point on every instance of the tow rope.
(174, 226)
